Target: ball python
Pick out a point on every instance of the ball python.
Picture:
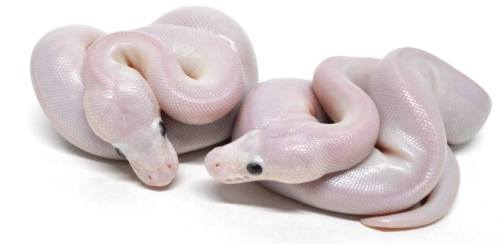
(148, 94)
(366, 137)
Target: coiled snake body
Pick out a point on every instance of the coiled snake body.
(408, 105)
(367, 137)
(104, 93)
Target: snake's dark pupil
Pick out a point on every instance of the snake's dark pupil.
(119, 153)
(163, 129)
(254, 168)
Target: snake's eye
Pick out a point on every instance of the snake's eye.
(254, 168)
(163, 129)
(119, 153)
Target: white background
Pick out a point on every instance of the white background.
(51, 192)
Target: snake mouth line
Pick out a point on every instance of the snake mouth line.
(235, 179)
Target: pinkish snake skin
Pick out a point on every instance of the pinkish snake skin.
(367, 137)
(105, 91)
(408, 105)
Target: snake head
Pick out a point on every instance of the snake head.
(121, 106)
(150, 154)
(274, 153)
(238, 161)
(128, 117)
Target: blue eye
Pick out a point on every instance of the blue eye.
(254, 168)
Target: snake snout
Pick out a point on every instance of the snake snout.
(158, 177)
(220, 168)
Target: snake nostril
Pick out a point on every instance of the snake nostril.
(169, 166)
(150, 177)
(217, 164)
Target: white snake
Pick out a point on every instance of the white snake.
(105, 92)
(408, 105)
(385, 152)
